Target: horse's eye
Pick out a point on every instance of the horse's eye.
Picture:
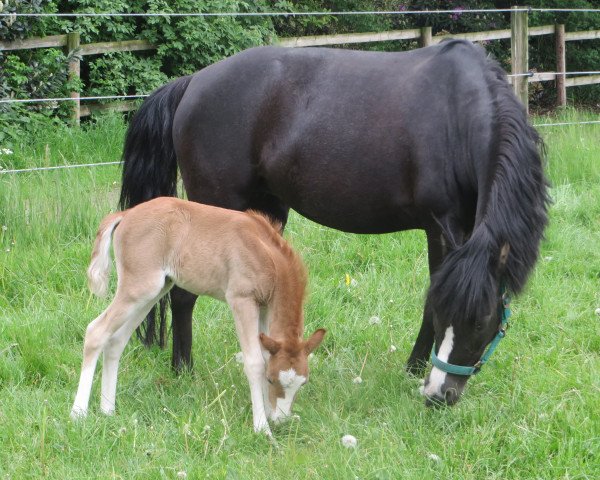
(478, 326)
(269, 380)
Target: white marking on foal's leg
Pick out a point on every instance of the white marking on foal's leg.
(437, 377)
(91, 351)
(246, 314)
(291, 383)
(133, 315)
(82, 397)
(110, 367)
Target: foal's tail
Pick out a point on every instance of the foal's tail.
(99, 269)
(150, 170)
(512, 213)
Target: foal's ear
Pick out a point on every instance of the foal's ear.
(271, 345)
(504, 251)
(315, 340)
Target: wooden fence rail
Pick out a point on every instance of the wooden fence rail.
(518, 34)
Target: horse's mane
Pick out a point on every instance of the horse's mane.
(513, 213)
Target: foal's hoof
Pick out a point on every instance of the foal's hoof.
(78, 413)
(263, 428)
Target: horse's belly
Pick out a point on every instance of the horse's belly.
(353, 205)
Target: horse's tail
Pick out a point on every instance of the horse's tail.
(512, 213)
(149, 161)
(150, 170)
(99, 269)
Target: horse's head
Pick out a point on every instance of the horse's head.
(466, 334)
(287, 371)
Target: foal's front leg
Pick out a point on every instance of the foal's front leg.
(246, 314)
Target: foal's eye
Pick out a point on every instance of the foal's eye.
(270, 381)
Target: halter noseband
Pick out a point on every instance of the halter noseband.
(468, 371)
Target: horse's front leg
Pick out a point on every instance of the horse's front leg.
(182, 307)
(417, 361)
(419, 357)
(246, 314)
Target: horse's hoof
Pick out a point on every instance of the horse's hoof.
(416, 369)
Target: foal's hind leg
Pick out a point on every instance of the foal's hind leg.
(127, 309)
(114, 349)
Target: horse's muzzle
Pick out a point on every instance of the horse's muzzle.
(446, 394)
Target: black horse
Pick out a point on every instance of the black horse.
(363, 142)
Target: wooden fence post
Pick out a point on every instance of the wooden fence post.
(426, 36)
(561, 66)
(74, 71)
(519, 52)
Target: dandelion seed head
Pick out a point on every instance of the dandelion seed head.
(357, 380)
(239, 357)
(374, 320)
(349, 441)
(4, 228)
(393, 348)
(434, 457)
(598, 311)
(181, 474)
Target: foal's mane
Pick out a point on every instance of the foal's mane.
(274, 229)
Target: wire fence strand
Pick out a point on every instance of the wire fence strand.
(69, 99)
(454, 11)
(83, 165)
(57, 167)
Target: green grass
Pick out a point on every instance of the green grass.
(532, 413)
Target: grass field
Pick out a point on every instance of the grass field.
(534, 412)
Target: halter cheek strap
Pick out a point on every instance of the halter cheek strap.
(468, 371)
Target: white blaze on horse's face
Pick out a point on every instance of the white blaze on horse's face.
(290, 383)
(434, 383)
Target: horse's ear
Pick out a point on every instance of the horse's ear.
(315, 340)
(504, 251)
(269, 344)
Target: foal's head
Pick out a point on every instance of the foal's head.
(287, 371)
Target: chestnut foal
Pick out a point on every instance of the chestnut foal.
(234, 256)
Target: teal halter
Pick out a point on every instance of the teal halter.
(468, 371)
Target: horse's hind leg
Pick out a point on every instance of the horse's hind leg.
(419, 356)
(182, 307)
